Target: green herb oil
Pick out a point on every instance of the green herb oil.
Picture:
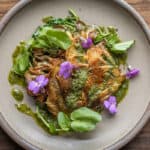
(17, 94)
(122, 91)
(16, 79)
(25, 109)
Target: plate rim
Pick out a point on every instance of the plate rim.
(126, 138)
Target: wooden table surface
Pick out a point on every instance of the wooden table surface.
(142, 140)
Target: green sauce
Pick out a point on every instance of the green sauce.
(13, 79)
(17, 94)
(24, 108)
(123, 59)
(93, 94)
(122, 91)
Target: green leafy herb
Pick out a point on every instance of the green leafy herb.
(84, 119)
(108, 34)
(48, 37)
(85, 113)
(73, 14)
(21, 60)
(63, 121)
(69, 23)
(113, 43)
(59, 38)
(82, 125)
(122, 47)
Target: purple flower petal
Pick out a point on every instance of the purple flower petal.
(40, 78)
(132, 73)
(45, 82)
(113, 109)
(111, 104)
(34, 87)
(42, 81)
(87, 43)
(112, 99)
(107, 104)
(66, 75)
(66, 69)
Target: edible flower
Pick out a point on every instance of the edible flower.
(66, 69)
(132, 73)
(111, 105)
(35, 86)
(87, 43)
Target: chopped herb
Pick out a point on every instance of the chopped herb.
(78, 82)
(93, 93)
(109, 35)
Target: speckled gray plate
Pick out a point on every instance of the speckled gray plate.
(112, 132)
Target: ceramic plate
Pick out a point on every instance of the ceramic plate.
(112, 132)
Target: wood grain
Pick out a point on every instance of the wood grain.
(142, 140)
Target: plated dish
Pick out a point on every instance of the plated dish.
(113, 131)
(73, 71)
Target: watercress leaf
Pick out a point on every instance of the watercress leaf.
(59, 38)
(82, 126)
(122, 47)
(63, 121)
(85, 113)
(39, 43)
(48, 37)
(21, 60)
